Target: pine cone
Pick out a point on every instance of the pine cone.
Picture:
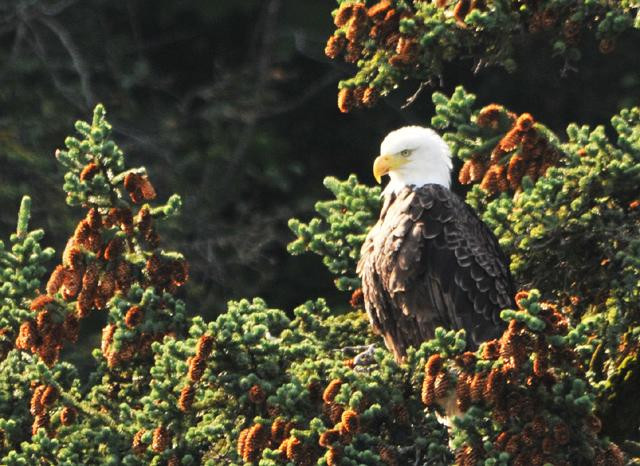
(204, 347)
(160, 439)
(331, 391)
(68, 415)
(350, 421)
(187, 395)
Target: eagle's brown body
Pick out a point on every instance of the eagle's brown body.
(430, 262)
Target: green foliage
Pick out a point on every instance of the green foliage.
(586, 204)
(529, 388)
(549, 201)
(260, 385)
(580, 219)
(394, 40)
(22, 266)
(202, 131)
(112, 262)
(339, 232)
(156, 396)
(584, 200)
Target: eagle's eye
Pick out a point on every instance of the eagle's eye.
(405, 153)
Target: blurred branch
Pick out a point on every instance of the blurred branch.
(239, 246)
(57, 8)
(39, 50)
(142, 139)
(261, 74)
(21, 19)
(76, 57)
(135, 28)
(300, 100)
(17, 40)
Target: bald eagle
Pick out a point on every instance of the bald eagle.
(429, 261)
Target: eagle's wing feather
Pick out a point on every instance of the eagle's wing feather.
(429, 262)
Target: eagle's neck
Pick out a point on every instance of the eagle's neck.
(400, 179)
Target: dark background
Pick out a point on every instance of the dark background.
(232, 104)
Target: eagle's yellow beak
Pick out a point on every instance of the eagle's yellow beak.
(385, 163)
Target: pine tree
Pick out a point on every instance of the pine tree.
(392, 40)
(313, 385)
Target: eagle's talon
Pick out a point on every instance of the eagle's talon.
(366, 357)
(354, 350)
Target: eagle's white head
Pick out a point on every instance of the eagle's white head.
(413, 155)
